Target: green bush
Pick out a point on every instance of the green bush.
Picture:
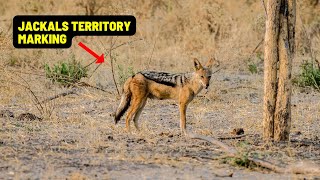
(66, 73)
(124, 73)
(310, 76)
(242, 160)
(252, 67)
(253, 63)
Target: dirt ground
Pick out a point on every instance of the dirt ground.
(80, 140)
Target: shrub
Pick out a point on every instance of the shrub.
(253, 63)
(310, 76)
(124, 73)
(66, 73)
(253, 68)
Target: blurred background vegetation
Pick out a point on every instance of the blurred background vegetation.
(173, 32)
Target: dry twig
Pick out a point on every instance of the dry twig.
(37, 103)
(112, 68)
(265, 9)
(154, 45)
(226, 148)
(299, 168)
(128, 42)
(72, 91)
(235, 137)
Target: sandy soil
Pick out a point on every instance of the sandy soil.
(80, 139)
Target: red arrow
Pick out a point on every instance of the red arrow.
(100, 59)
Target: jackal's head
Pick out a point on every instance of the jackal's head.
(203, 74)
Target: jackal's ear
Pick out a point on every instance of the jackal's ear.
(197, 64)
(210, 63)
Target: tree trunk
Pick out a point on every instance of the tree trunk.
(279, 52)
(270, 66)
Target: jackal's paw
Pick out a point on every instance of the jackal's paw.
(137, 127)
(127, 130)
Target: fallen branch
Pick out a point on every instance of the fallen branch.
(72, 91)
(298, 168)
(266, 164)
(226, 148)
(235, 137)
(88, 85)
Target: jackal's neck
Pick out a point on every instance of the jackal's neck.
(195, 83)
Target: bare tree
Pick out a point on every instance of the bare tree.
(279, 52)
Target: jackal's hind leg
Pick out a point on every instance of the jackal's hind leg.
(134, 107)
(128, 118)
(137, 115)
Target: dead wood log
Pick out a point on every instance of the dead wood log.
(235, 137)
(73, 91)
(297, 168)
(225, 148)
(65, 93)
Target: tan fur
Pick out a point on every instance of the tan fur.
(137, 89)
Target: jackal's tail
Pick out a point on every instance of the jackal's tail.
(125, 101)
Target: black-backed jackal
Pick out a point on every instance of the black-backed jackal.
(149, 84)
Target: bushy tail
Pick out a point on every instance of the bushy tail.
(125, 101)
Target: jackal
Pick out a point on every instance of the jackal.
(161, 85)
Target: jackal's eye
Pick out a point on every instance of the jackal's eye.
(202, 76)
(209, 77)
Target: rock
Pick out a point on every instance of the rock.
(237, 131)
(28, 117)
(6, 114)
(226, 79)
(224, 91)
(110, 137)
(297, 133)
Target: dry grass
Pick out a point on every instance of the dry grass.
(79, 139)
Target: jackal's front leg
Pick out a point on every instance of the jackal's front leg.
(183, 110)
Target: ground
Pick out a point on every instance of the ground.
(80, 139)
